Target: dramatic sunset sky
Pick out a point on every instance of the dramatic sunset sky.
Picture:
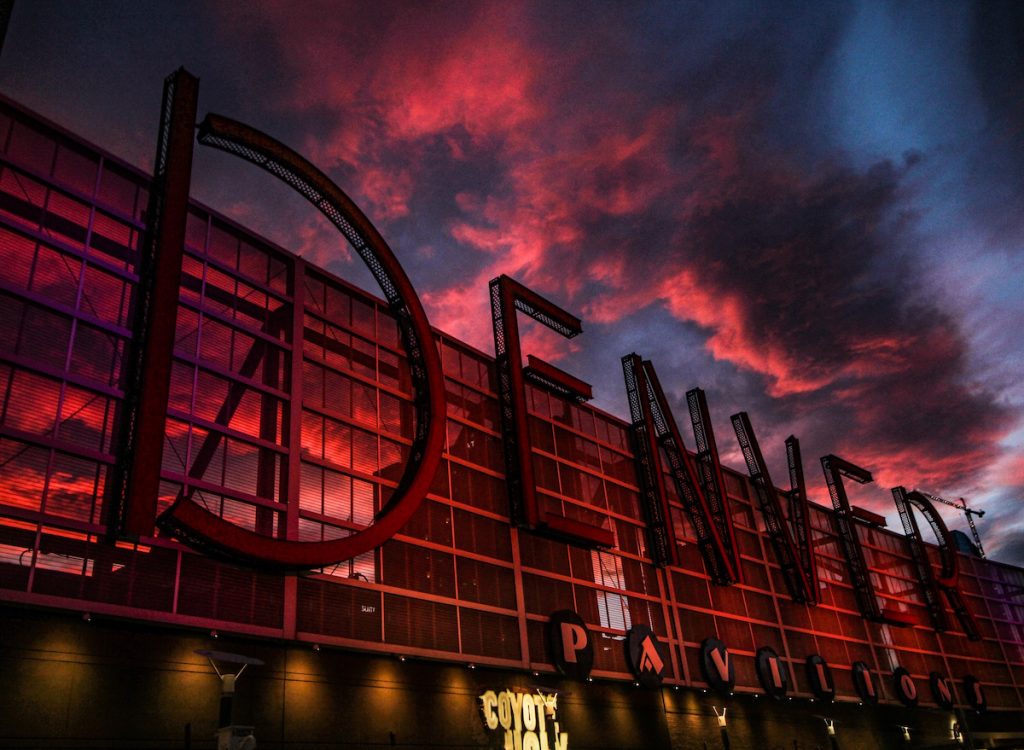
(814, 211)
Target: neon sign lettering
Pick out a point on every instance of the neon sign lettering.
(527, 721)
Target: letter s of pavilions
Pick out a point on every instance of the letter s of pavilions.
(209, 532)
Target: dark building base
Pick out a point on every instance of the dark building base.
(108, 683)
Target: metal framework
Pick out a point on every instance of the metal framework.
(655, 431)
(508, 296)
(709, 473)
(660, 529)
(136, 478)
(260, 353)
(968, 512)
(950, 571)
(794, 573)
(197, 524)
(458, 583)
(835, 469)
(800, 512)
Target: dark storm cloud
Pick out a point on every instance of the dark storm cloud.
(997, 47)
(804, 283)
(805, 275)
(997, 54)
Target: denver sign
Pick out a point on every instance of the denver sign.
(698, 479)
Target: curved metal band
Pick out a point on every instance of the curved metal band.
(200, 527)
(950, 573)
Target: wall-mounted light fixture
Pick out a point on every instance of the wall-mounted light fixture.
(549, 698)
(906, 733)
(228, 681)
(720, 716)
(723, 730)
(955, 733)
(830, 726)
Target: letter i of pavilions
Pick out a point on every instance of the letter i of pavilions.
(795, 557)
(698, 481)
(507, 297)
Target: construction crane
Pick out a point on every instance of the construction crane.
(962, 505)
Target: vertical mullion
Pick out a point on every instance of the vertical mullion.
(291, 498)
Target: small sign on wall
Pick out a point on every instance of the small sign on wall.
(571, 645)
(528, 721)
(645, 655)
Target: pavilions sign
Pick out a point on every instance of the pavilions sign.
(572, 652)
(719, 672)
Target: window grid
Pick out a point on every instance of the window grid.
(458, 582)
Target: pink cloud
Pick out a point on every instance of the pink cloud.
(423, 74)
(569, 188)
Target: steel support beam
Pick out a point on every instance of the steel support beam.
(136, 480)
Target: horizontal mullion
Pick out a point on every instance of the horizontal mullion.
(202, 485)
(587, 506)
(579, 433)
(225, 431)
(488, 471)
(324, 318)
(198, 307)
(490, 432)
(65, 310)
(38, 235)
(459, 380)
(232, 376)
(56, 444)
(456, 551)
(217, 263)
(47, 519)
(589, 584)
(72, 192)
(321, 411)
(28, 364)
(324, 463)
(364, 379)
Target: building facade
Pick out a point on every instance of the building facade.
(291, 413)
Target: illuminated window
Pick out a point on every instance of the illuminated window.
(612, 609)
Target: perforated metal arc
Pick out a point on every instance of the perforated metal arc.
(547, 320)
(203, 528)
(947, 548)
